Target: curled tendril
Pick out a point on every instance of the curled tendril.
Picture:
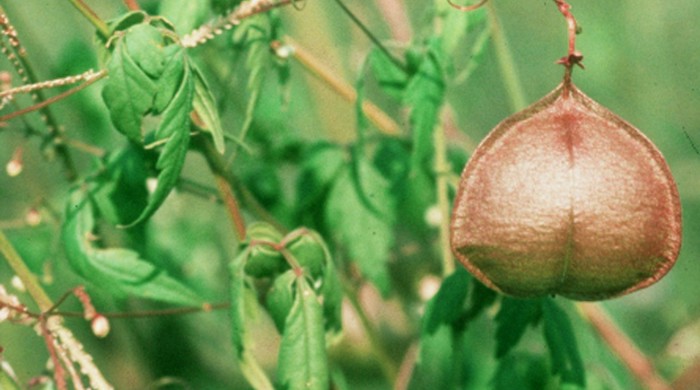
(467, 8)
(299, 4)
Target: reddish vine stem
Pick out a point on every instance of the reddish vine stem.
(467, 8)
(573, 56)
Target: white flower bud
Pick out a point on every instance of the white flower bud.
(100, 326)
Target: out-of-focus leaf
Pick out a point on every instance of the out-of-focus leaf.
(561, 341)
(302, 359)
(128, 93)
(391, 78)
(447, 306)
(185, 15)
(309, 253)
(205, 107)
(442, 362)
(240, 312)
(521, 371)
(174, 129)
(424, 95)
(321, 165)
(366, 234)
(118, 271)
(513, 319)
(332, 292)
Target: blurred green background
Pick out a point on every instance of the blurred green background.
(642, 59)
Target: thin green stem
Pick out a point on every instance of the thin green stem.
(505, 62)
(371, 36)
(26, 276)
(91, 16)
(442, 172)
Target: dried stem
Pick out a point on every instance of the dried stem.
(638, 364)
(573, 57)
(314, 66)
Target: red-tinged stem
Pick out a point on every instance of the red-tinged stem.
(573, 57)
(467, 8)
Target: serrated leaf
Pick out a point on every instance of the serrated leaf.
(366, 234)
(447, 306)
(128, 93)
(513, 319)
(175, 129)
(561, 341)
(424, 96)
(303, 363)
(118, 271)
(239, 314)
(205, 107)
(257, 37)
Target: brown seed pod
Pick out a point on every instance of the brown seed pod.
(566, 198)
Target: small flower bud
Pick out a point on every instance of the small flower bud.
(18, 284)
(33, 217)
(13, 168)
(100, 326)
(433, 216)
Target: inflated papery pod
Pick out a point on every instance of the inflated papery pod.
(566, 198)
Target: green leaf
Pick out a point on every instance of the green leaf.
(366, 234)
(255, 35)
(145, 45)
(424, 96)
(128, 93)
(513, 319)
(205, 107)
(332, 292)
(184, 15)
(118, 271)
(320, 167)
(392, 79)
(174, 129)
(447, 306)
(280, 298)
(240, 312)
(561, 341)
(303, 363)
(121, 193)
(522, 372)
(263, 261)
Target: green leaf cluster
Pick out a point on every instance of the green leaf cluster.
(303, 298)
(150, 74)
